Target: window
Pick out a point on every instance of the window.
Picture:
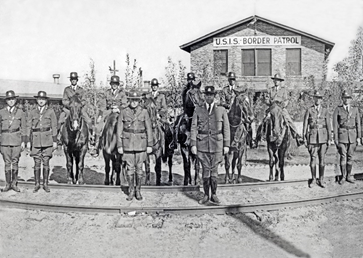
(256, 62)
(293, 61)
(220, 62)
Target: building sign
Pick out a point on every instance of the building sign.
(257, 41)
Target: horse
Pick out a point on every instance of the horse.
(276, 146)
(240, 116)
(108, 144)
(75, 138)
(157, 148)
(182, 129)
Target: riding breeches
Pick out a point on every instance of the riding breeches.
(317, 151)
(41, 155)
(210, 162)
(346, 152)
(11, 156)
(134, 161)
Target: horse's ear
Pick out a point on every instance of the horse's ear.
(199, 84)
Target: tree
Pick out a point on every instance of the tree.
(133, 75)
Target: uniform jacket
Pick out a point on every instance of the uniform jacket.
(160, 101)
(317, 128)
(210, 132)
(42, 127)
(118, 99)
(226, 96)
(16, 122)
(134, 129)
(278, 96)
(346, 125)
(69, 93)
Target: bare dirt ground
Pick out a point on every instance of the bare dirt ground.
(330, 230)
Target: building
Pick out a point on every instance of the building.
(257, 48)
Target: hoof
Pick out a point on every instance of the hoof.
(204, 200)
(239, 180)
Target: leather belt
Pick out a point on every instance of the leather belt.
(133, 130)
(10, 131)
(347, 126)
(44, 129)
(317, 126)
(209, 132)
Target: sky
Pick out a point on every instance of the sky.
(40, 38)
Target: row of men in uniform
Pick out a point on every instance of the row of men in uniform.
(209, 146)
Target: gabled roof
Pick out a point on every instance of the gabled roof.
(187, 47)
(28, 89)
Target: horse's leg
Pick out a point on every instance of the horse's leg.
(271, 161)
(80, 164)
(277, 164)
(112, 177)
(147, 170)
(69, 165)
(158, 169)
(227, 165)
(106, 158)
(170, 165)
(196, 169)
(282, 153)
(118, 163)
(240, 155)
(233, 161)
(186, 164)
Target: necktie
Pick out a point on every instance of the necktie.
(209, 108)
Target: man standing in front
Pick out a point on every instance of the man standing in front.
(317, 136)
(210, 139)
(134, 141)
(347, 131)
(12, 139)
(42, 126)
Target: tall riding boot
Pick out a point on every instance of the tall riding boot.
(14, 183)
(37, 179)
(138, 187)
(206, 191)
(45, 180)
(313, 176)
(214, 197)
(349, 174)
(343, 170)
(131, 180)
(321, 176)
(8, 181)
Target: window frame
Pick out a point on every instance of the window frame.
(288, 71)
(256, 62)
(222, 72)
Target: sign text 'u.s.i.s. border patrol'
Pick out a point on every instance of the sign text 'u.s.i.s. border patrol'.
(256, 41)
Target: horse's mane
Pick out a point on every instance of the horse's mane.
(75, 99)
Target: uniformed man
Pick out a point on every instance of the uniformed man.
(134, 141)
(160, 101)
(42, 127)
(188, 86)
(115, 97)
(347, 131)
(317, 136)
(278, 101)
(227, 93)
(69, 92)
(12, 139)
(210, 139)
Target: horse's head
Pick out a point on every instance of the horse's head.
(75, 108)
(243, 102)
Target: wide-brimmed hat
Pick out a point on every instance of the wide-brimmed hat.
(277, 77)
(231, 76)
(209, 90)
(115, 79)
(317, 94)
(134, 94)
(191, 76)
(73, 75)
(10, 94)
(346, 95)
(41, 94)
(154, 82)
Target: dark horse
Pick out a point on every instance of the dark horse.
(108, 143)
(157, 148)
(75, 138)
(276, 146)
(240, 117)
(183, 126)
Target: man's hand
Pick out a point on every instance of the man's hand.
(28, 145)
(99, 119)
(115, 110)
(55, 146)
(120, 150)
(194, 150)
(225, 150)
(149, 150)
(22, 146)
